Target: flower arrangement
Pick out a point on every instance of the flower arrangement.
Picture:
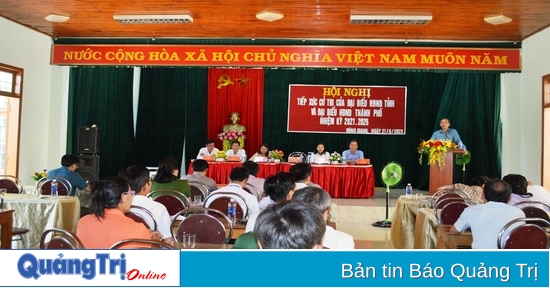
(39, 175)
(220, 155)
(335, 157)
(436, 150)
(231, 135)
(276, 154)
(227, 137)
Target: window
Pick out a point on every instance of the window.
(10, 99)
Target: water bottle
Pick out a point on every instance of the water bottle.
(309, 157)
(54, 188)
(243, 158)
(232, 210)
(409, 190)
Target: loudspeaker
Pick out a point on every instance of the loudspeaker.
(88, 167)
(88, 140)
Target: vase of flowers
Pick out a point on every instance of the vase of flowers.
(335, 158)
(39, 175)
(227, 136)
(276, 155)
(436, 150)
(220, 156)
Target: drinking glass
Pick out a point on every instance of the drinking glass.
(197, 199)
(189, 240)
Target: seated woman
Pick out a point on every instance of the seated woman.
(320, 155)
(111, 198)
(167, 177)
(262, 152)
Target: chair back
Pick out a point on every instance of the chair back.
(136, 243)
(292, 157)
(539, 204)
(447, 193)
(60, 239)
(523, 235)
(11, 183)
(207, 224)
(142, 215)
(64, 187)
(173, 200)
(253, 190)
(198, 188)
(441, 203)
(451, 212)
(220, 202)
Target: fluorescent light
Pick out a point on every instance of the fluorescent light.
(57, 18)
(497, 20)
(153, 19)
(390, 19)
(269, 16)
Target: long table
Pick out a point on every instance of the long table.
(6, 220)
(341, 181)
(40, 213)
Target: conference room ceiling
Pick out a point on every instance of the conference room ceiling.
(458, 20)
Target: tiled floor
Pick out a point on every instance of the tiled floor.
(356, 216)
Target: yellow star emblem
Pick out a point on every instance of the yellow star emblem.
(243, 81)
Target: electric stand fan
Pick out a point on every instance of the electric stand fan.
(392, 174)
(463, 159)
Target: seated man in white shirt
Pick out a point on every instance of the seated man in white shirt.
(200, 168)
(278, 187)
(238, 178)
(236, 150)
(138, 178)
(209, 150)
(302, 174)
(253, 168)
(320, 199)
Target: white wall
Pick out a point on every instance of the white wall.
(526, 118)
(510, 115)
(43, 118)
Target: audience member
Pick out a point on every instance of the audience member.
(253, 168)
(520, 192)
(236, 150)
(69, 163)
(278, 187)
(290, 225)
(238, 178)
(474, 191)
(209, 150)
(302, 173)
(111, 198)
(167, 177)
(262, 152)
(138, 178)
(320, 199)
(487, 220)
(320, 155)
(351, 155)
(200, 169)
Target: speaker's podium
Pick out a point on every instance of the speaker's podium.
(441, 176)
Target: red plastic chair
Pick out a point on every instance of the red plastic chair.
(523, 235)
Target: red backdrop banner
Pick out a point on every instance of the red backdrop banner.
(347, 109)
(236, 90)
(289, 56)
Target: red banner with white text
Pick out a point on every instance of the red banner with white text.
(377, 110)
(289, 56)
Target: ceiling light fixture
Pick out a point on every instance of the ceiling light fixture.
(497, 20)
(57, 18)
(153, 19)
(390, 19)
(269, 16)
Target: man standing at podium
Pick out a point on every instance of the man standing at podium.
(447, 133)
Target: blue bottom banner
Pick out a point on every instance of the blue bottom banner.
(362, 268)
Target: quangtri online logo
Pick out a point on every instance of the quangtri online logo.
(73, 268)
